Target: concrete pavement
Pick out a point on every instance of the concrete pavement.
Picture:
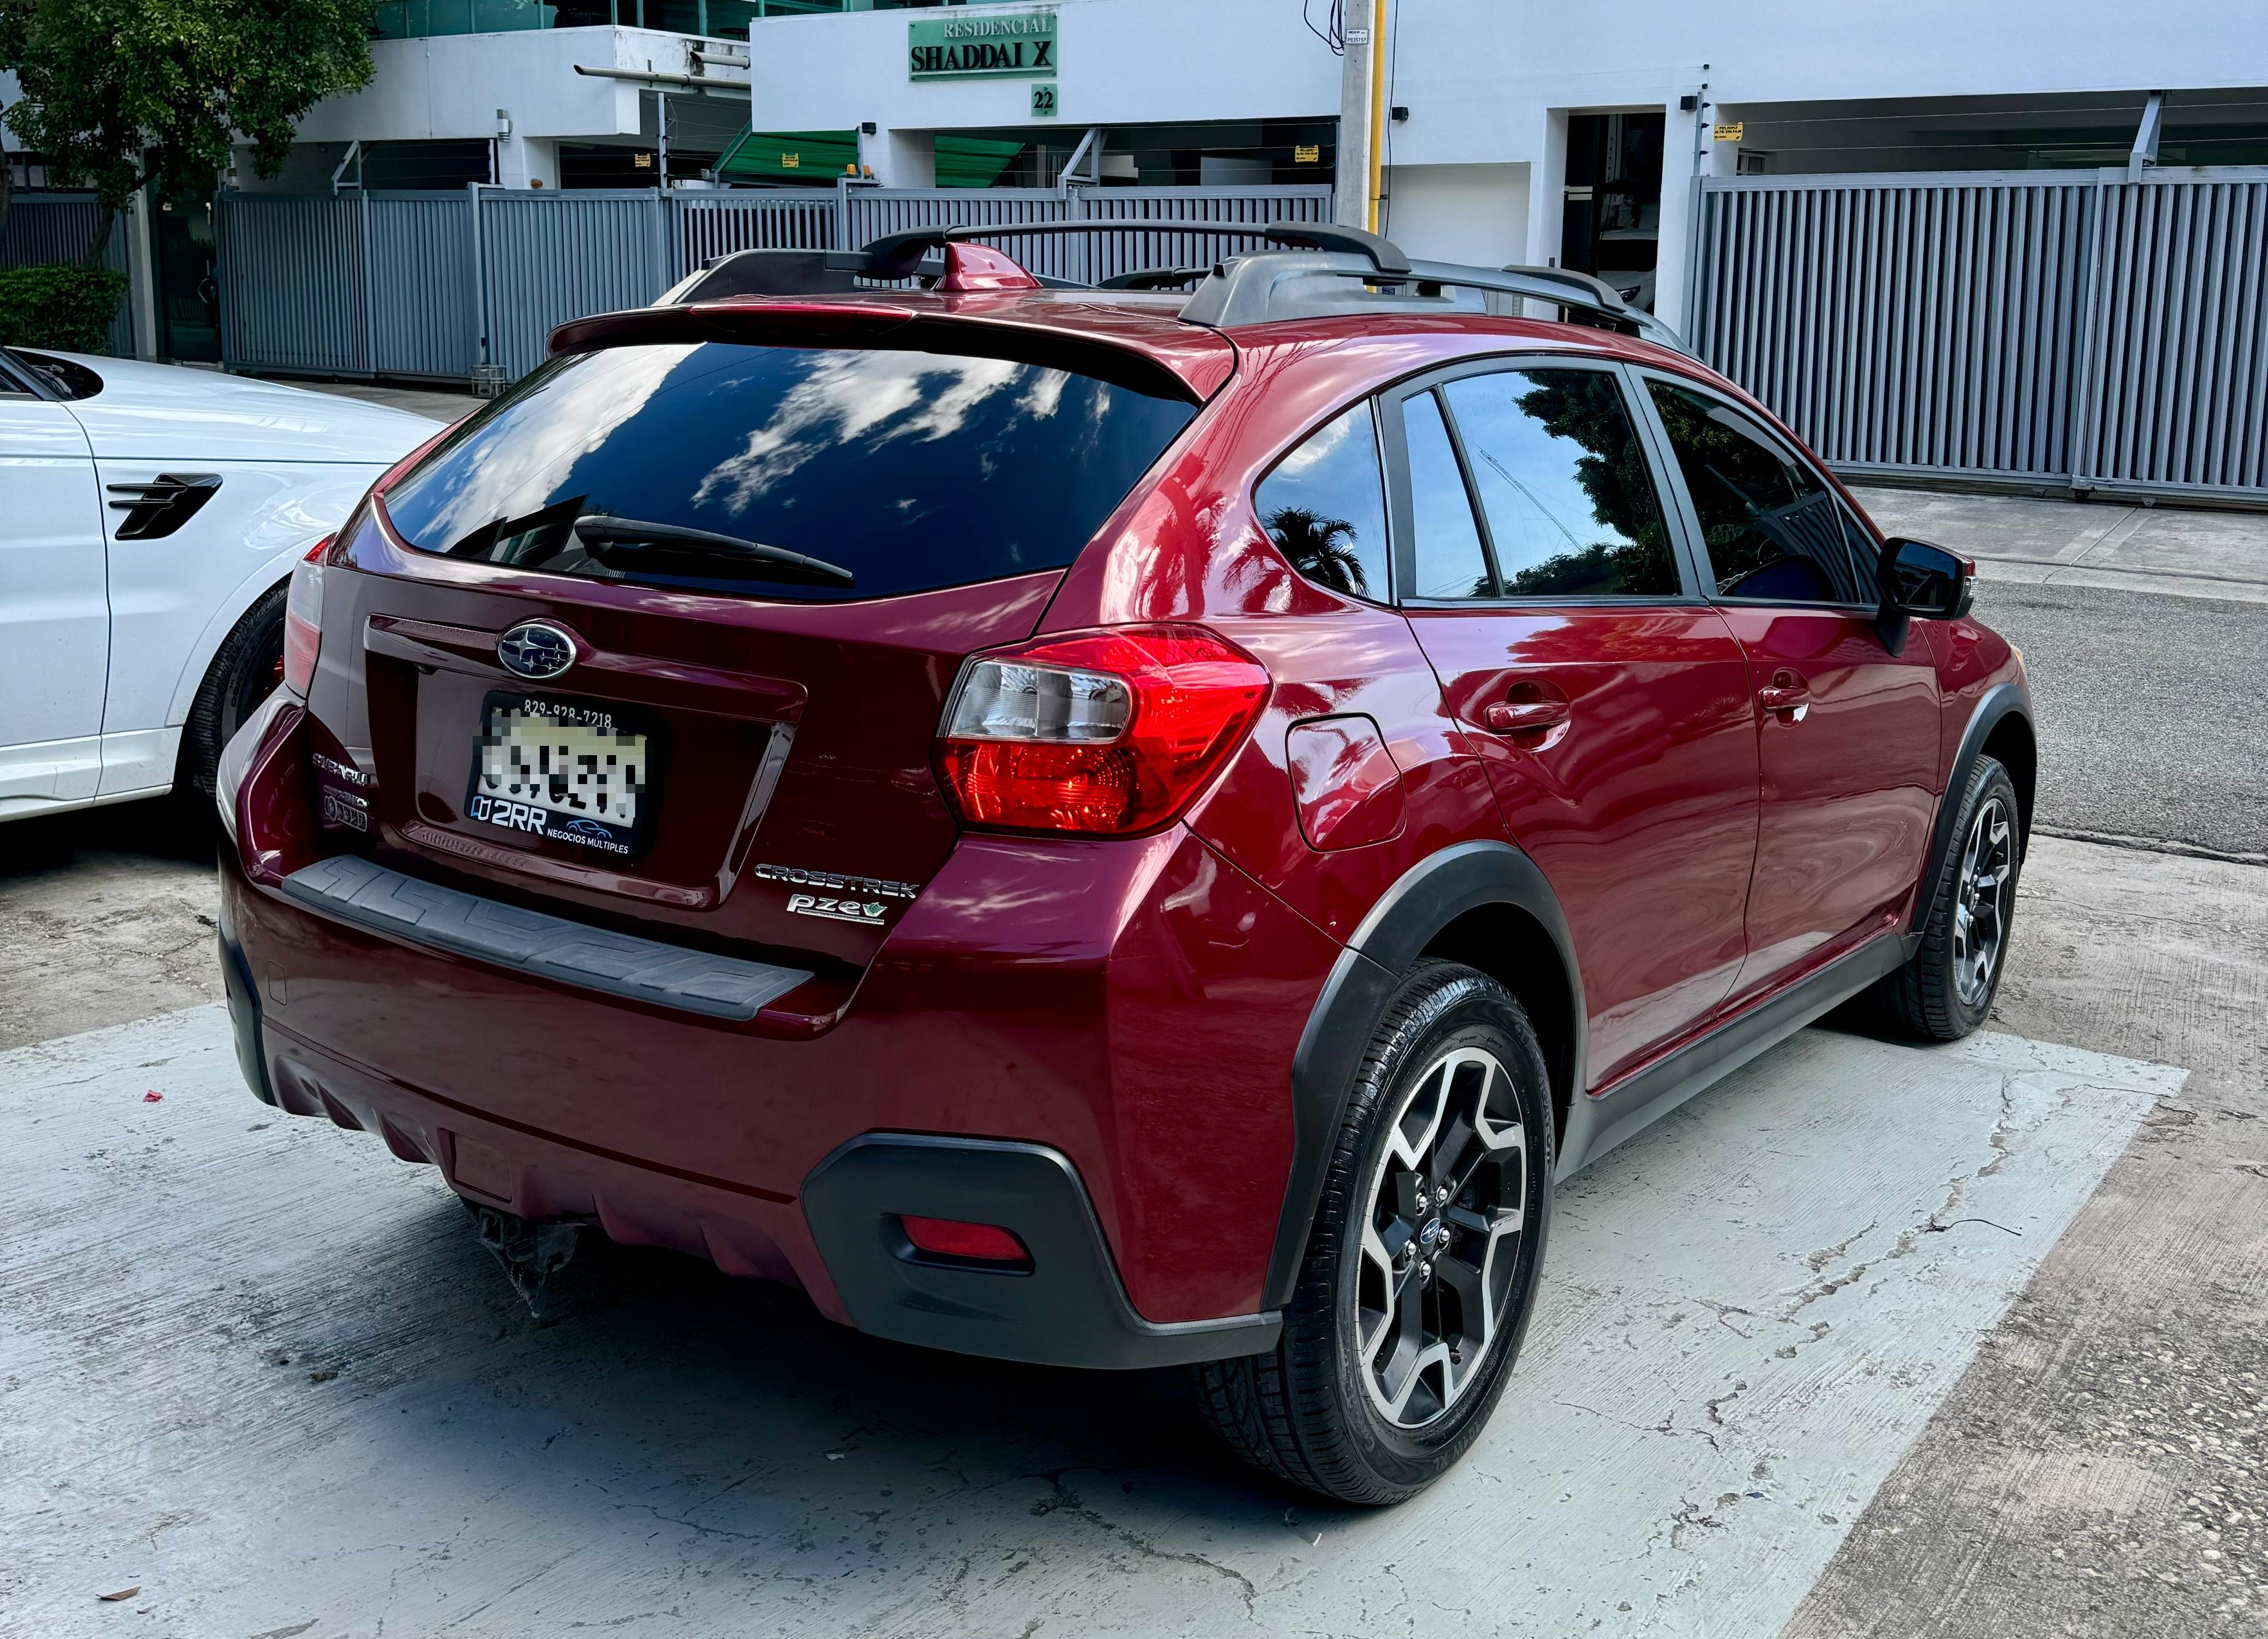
(2150, 720)
(2145, 636)
(215, 1322)
(2174, 551)
(2102, 1469)
(106, 915)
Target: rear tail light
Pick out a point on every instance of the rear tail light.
(303, 620)
(1107, 733)
(978, 1243)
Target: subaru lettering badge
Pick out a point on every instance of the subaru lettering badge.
(536, 648)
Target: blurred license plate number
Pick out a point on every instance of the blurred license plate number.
(569, 772)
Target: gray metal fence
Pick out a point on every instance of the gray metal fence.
(547, 257)
(57, 228)
(2069, 328)
(434, 284)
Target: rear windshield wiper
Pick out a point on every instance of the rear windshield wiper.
(752, 558)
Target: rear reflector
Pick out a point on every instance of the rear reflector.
(980, 1243)
(1106, 733)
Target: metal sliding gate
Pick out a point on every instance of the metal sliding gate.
(58, 228)
(438, 284)
(2067, 328)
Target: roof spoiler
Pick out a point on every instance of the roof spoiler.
(1189, 364)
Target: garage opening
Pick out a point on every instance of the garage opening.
(1611, 220)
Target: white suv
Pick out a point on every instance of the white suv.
(150, 517)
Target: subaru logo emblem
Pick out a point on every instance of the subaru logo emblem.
(536, 648)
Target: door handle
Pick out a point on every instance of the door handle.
(1513, 717)
(1786, 699)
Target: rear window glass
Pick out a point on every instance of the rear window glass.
(787, 472)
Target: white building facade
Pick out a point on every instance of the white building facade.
(1939, 237)
(1498, 114)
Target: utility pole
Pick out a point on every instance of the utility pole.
(1361, 84)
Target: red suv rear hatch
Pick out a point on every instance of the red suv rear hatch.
(661, 640)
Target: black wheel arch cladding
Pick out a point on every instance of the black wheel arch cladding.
(1304, 1411)
(2002, 719)
(1400, 929)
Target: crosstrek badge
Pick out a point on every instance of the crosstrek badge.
(860, 887)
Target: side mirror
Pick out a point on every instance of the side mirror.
(1919, 579)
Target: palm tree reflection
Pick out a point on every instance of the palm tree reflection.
(1321, 549)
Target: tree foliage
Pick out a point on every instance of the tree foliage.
(1584, 408)
(120, 94)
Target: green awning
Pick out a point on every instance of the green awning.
(973, 161)
(788, 156)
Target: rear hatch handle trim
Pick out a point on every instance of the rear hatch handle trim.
(632, 679)
(350, 889)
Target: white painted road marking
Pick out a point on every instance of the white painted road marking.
(1751, 1312)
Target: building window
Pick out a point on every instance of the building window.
(715, 20)
(1225, 153)
(428, 164)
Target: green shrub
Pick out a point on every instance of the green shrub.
(66, 308)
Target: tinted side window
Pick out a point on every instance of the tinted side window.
(723, 467)
(1325, 506)
(1571, 503)
(1773, 529)
(1447, 543)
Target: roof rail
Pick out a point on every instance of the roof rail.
(1154, 278)
(1382, 267)
(1335, 270)
(1258, 290)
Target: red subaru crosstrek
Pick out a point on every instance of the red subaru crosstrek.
(1114, 827)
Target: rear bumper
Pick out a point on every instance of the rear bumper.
(243, 1010)
(1113, 1085)
(841, 1241)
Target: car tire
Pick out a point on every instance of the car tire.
(1947, 989)
(246, 669)
(1319, 1410)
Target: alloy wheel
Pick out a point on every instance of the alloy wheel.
(1980, 906)
(1441, 1228)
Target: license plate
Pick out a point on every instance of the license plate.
(573, 774)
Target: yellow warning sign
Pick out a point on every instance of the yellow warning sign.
(1727, 133)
